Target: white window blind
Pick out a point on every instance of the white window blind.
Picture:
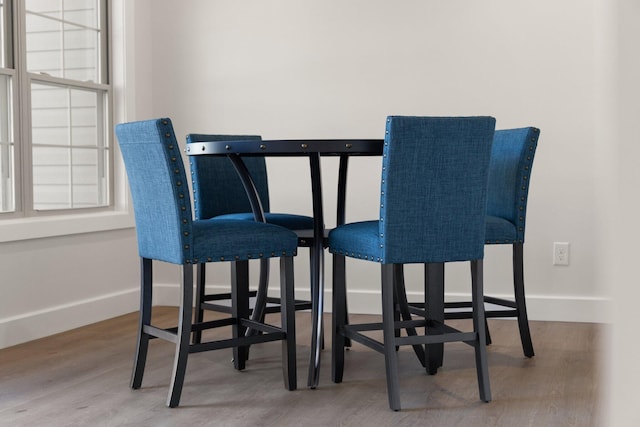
(7, 155)
(63, 79)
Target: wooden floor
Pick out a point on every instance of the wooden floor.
(81, 378)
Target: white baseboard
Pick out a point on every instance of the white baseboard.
(570, 309)
(539, 307)
(38, 324)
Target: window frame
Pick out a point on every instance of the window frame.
(26, 223)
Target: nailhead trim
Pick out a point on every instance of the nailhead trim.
(383, 184)
(178, 168)
(526, 162)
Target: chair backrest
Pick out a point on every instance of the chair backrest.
(159, 189)
(217, 189)
(509, 174)
(434, 188)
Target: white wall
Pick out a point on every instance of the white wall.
(312, 69)
(54, 284)
(336, 69)
(623, 234)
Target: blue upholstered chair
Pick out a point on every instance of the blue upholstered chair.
(509, 176)
(167, 232)
(432, 210)
(218, 194)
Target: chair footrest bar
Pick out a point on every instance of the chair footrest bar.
(363, 327)
(352, 334)
(215, 307)
(488, 314)
(399, 324)
(500, 301)
(501, 313)
(458, 304)
(219, 297)
(262, 327)
(454, 315)
(237, 342)
(403, 324)
(168, 334)
(467, 304)
(414, 308)
(437, 338)
(213, 324)
(230, 321)
(299, 305)
(449, 334)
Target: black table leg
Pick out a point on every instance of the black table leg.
(317, 271)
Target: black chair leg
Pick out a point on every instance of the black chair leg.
(434, 308)
(396, 314)
(338, 318)
(288, 322)
(260, 306)
(239, 308)
(480, 345)
(146, 293)
(403, 304)
(183, 335)
(518, 288)
(389, 333)
(486, 323)
(486, 330)
(198, 315)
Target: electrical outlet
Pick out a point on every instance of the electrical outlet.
(560, 253)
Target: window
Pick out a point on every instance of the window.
(7, 200)
(54, 88)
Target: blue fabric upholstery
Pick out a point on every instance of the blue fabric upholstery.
(509, 172)
(290, 221)
(499, 230)
(162, 206)
(218, 192)
(433, 197)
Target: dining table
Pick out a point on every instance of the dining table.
(314, 149)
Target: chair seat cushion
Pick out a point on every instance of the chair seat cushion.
(290, 221)
(228, 240)
(361, 239)
(357, 240)
(499, 230)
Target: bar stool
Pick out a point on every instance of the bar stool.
(432, 210)
(166, 232)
